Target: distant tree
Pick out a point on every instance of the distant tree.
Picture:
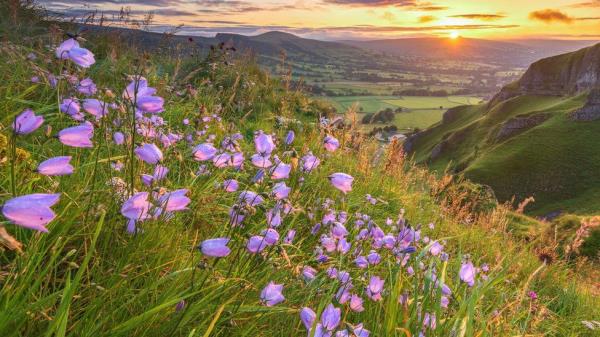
(368, 118)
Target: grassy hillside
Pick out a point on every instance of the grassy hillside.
(93, 274)
(554, 161)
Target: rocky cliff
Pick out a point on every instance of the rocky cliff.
(591, 110)
(560, 75)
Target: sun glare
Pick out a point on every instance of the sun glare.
(454, 35)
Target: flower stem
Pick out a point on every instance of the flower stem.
(13, 159)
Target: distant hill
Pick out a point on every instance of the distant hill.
(267, 45)
(516, 52)
(296, 48)
(538, 137)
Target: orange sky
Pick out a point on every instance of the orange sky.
(334, 19)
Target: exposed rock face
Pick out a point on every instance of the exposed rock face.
(450, 115)
(438, 150)
(519, 124)
(505, 93)
(409, 143)
(450, 141)
(591, 110)
(565, 74)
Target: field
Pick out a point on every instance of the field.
(419, 112)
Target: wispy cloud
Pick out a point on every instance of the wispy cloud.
(588, 4)
(218, 22)
(388, 16)
(554, 15)
(411, 4)
(157, 6)
(84, 12)
(90, 3)
(373, 3)
(444, 28)
(238, 6)
(427, 18)
(482, 17)
(360, 30)
(551, 15)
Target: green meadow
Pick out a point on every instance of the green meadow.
(418, 111)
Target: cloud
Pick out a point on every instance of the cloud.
(388, 16)
(85, 12)
(482, 17)
(152, 3)
(71, 7)
(589, 4)
(551, 15)
(431, 8)
(228, 6)
(593, 36)
(411, 4)
(249, 29)
(427, 18)
(373, 3)
(219, 22)
(435, 28)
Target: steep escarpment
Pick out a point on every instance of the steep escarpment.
(537, 137)
(560, 75)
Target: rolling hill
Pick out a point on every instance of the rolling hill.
(515, 52)
(518, 53)
(267, 45)
(538, 137)
(299, 49)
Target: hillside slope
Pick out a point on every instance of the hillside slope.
(538, 137)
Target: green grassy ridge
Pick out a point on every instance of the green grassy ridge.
(554, 161)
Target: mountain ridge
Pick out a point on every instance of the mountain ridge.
(511, 52)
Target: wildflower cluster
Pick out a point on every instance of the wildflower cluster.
(351, 252)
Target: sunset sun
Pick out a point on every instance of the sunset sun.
(454, 35)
